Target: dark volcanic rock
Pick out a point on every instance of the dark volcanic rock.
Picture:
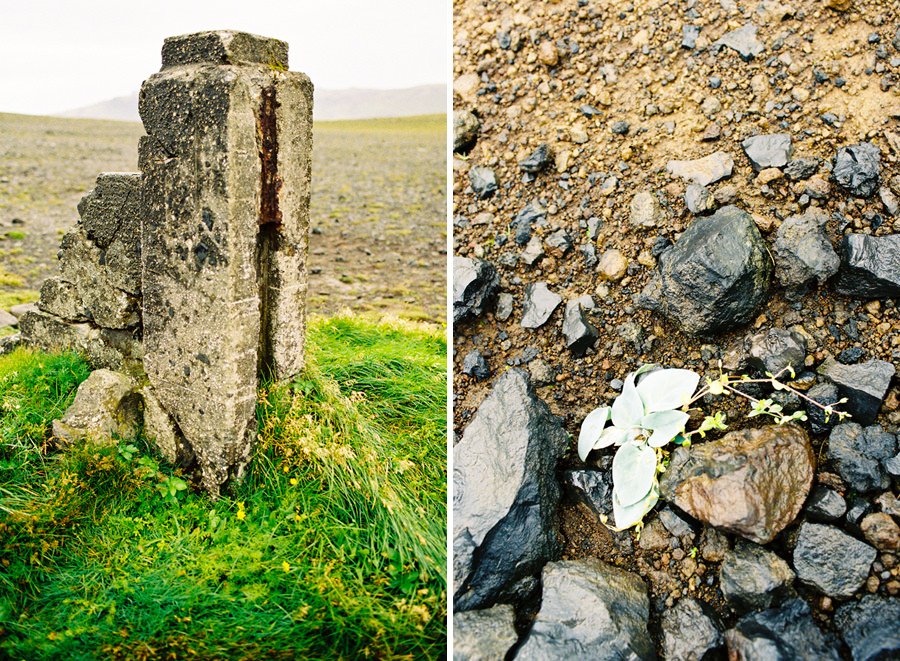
(787, 633)
(475, 365)
(690, 632)
(590, 610)
(752, 578)
(831, 561)
(775, 349)
(579, 332)
(857, 454)
(768, 151)
(825, 393)
(540, 303)
(715, 277)
(864, 385)
(465, 131)
(743, 40)
(870, 628)
(750, 482)
(857, 168)
(537, 160)
(474, 284)
(825, 504)
(591, 487)
(801, 168)
(484, 634)
(483, 181)
(803, 254)
(870, 266)
(530, 214)
(505, 492)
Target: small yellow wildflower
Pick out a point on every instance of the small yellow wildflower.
(294, 481)
(241, 514)
(286, 566)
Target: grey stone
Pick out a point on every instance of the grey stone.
(541, 373)
(645, 210)
(825, 393)
(593, 488)
(751, 482)
(801, 168)
(534, 251)
(113, 210)
(857, 454)
(504, 306)
(675, 524)
(21, 309)
(768, 151)
(483, 635)
(7, 319)
(786, 633)
(698, 199)
(869, 627)
(831, 561)
(890, 201)
(870, 266)
(803, 254)
(865, 385)
(689, 34)
(715, 277)
(559, 243)
(224, 47)
(703, 171)
(690, 632)
(580, 334)
(825, 505)
(465, 131)
(540, 303)
(475, 365)
(743, 41)
(105, 408)
(776, 349)
(531, 214)
(483, 181)
(62, 299)
(858, 169)
(9, 343)
(752, 578)
(537, 160)
(160, 430)
(590, 610)
(474, 285)
(505, 492)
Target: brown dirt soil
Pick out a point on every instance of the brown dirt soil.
(378, 207)
(626, 60)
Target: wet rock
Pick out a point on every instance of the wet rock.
(775, 349)
(881, 531)
(483, 181)
(590, 609)
(857, 168)
(465, 131)
(703, 171)
(786, 633)
(540, 303)
(645, 210)
(474, 284)
(580, 334)
(803, 254)
(698, 199)
(475, 365)
(857, 454)
(530, 215)
(825, 505)
(482, 635)
(504, 306)
(537, 160)
(593, 488)
(827, 394)
(505, 492)
(831, 561)
(105, 408)
(743, 41)
(751, 482)
(612, 265)
(864, 385)
(870, 266)
(752, 578)
(869, 627)
(715, 277)
(690, 631)
(768, 151)
(801, 168)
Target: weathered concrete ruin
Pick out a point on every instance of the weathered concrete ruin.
(191, 276)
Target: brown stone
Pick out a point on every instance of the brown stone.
(751, 482)
(881, 531)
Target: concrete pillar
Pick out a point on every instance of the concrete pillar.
(225, 196)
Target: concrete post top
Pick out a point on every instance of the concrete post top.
(224, 47)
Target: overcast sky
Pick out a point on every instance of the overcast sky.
(56, 55)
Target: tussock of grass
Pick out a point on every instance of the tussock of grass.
(332, 546)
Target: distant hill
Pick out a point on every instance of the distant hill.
(328, 104)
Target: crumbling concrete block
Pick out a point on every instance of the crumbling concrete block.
(106, 407)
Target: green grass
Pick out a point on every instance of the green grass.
(333, 546)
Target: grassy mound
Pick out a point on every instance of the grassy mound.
(334, 544)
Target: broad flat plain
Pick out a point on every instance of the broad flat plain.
(378, 212)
